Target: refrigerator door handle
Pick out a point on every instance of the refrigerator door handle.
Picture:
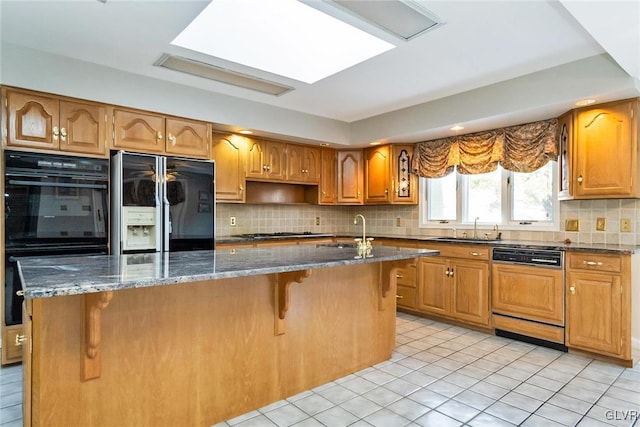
(166, 216)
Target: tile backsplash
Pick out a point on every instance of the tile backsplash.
(382, 221)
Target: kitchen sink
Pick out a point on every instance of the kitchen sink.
(465, 239)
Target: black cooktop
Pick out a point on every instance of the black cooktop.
(279, 234)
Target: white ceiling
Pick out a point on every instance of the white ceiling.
(449, 72)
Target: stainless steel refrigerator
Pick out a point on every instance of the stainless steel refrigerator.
(161, 204)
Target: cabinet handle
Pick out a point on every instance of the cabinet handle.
(159, 136)
(399, 276)
(63, 134)
(572, 289)
(241, 188)
(20, 339)
(580, 179)
(399, 296)
(474, 253)
(451, 273)
(56, 133)
(172, 139)
(592, 263)
(386, 191)
(20, 293)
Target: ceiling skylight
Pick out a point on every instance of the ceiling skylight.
(283, 37)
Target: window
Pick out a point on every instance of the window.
(511, 200)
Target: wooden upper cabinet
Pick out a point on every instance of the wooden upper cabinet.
(48, 122)
(188, 138)
(266, 160)
(303, 164)
(350, 176)
(33, 120)
(228, 151)
(328, 177)
(85, 126)
(377, 174)
(138, 131)
(565, 151)
(606, 151)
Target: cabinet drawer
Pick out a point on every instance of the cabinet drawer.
(595, 262)
(406, 276)
(13, 352)
(406, 296)
(454, 250)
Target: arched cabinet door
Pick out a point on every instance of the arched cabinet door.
(606, 151)
(32, 120)
(350, 176)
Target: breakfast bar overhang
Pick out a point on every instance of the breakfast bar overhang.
(194, 338)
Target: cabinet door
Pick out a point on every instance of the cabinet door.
(565, 162)
(229, 155)
(404, 184)
(276, 160)
(328, 177)
(188, 138)
(594, 311)
(376, 175)
(605, 151)
(138, 131)
(312, 164)
(33, 121)
(470, 291)
(296, 163)
(350, 177)
(83, 128)
(434, 285)
(256, 161)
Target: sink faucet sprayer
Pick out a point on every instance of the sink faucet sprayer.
(364, 244)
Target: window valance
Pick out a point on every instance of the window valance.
(522, 148)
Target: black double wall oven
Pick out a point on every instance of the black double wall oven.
(53, 205)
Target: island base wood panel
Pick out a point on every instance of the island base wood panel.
(199, 353)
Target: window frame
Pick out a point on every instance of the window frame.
(506, 193)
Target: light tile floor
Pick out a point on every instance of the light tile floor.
(442, 375)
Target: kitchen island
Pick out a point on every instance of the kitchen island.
(194, 338)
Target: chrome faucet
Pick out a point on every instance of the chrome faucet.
(364, 244)
(475, 227)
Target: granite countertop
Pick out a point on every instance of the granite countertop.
(567, 247)
(58, 276)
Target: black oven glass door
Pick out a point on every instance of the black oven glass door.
(43, 210)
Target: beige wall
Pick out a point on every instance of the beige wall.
(381, 221)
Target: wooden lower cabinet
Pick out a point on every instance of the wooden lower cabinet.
(599, 304)
(455, 288)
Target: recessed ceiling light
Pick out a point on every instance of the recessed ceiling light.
(584, 102)
(375, 143)
(457, 127)
(284, 37)
(246, 132)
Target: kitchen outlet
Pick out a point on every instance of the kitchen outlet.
(601, 224)
(398, 222)
(572, 225)
(317, 220)
(625, 225)
(232, 221)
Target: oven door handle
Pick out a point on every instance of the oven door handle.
(57, 184)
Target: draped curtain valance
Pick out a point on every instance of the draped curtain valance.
(522, 148)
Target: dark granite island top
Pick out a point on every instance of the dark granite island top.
(59, 276)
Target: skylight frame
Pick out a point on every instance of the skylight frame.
(304, 53)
